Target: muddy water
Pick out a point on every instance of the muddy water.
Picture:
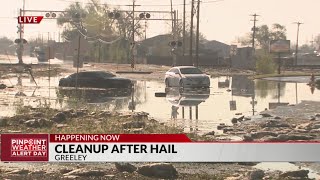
(199, 111)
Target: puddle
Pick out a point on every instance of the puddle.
(283, 167)
(198, 111)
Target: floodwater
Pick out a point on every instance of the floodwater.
(27, 60)
(196, 111)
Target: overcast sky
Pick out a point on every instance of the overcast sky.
(224, 20)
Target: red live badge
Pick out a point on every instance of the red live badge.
(29, 19)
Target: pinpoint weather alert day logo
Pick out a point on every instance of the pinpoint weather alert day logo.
(27, 147)
(29, 19)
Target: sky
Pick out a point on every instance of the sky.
(221, 20)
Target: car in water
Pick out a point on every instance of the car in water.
(41, 54)
(95, 79)
(186, 76)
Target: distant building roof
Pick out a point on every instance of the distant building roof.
(222, 48)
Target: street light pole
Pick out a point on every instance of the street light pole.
(297, 44)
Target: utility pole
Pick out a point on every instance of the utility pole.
(254, 30)
(197, 34)
(20, 47)
(191, 32)
(174, 37)
(133, 33)
(145, 29)
(172, 22)
(297, 45)
(184, 28)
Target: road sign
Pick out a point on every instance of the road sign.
(76, 63)
(50, 53)
(280, 46)
(233, 105)
(84, 45)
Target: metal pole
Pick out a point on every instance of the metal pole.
(252, 104)
(174, 37)
(184, 28)
(297, 45)
(145, 29)
(49, 65)
(279, 63)
(182, 112)
(191, 32)
(278, 92)
(197, 34)
(78, 59)
(99, 51)
(254, 30)
(296, 93)
(197, 112)
(172, 22)
(20, 50)
(133, 33)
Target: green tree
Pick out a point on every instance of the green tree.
(111, 36)
(7, 44)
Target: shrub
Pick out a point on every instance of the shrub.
(265, 64)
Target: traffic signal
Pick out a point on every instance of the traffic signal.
(144, 15)
(114, 15)
(76, 16)
(175, 43)
(141, 15)
(18, 41)
(51, 15)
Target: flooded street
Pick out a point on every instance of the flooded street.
(198, 111)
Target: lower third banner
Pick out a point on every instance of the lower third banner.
(148, 148)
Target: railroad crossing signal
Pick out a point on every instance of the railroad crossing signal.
(20, 29)
(233, 50)
(175, 43)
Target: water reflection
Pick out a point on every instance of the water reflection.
(116, 99)
(273, 88)
(188, 99)
(242, 86)
(200, 111)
